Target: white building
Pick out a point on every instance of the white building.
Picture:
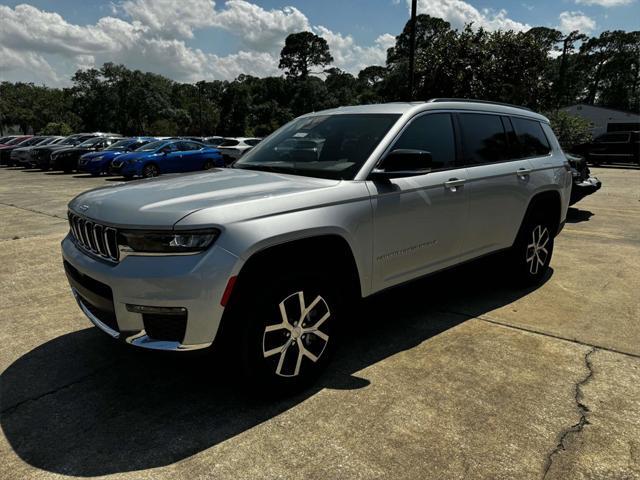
(605, 119)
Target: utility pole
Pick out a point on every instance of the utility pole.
(200, 105)
(412, 47)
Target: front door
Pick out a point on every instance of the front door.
(418, 221)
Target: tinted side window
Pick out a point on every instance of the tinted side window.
(533, 142)
(613, 137)
(483, 138)
(185, 146)
(432, 133)
(253, 143)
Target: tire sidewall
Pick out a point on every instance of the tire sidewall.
(260, 307)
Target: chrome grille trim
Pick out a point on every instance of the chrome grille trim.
(94, 238)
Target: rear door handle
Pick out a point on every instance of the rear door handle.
(523, 172)
(453, 183)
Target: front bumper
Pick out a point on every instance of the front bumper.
(584, 188)
(88, 166)
(195, 283)
(124, 168)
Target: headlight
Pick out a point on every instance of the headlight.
(189, 241)
(97, 159)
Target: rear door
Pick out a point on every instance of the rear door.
(170, 162)
(498, 183)
(192, 156)
(419, 221)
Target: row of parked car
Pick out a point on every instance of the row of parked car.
(99, 153)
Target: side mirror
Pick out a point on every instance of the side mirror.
(403, 163)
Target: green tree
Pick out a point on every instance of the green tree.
(302, 51)
(57, 128)
(569, 129)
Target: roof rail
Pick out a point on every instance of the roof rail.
(436, 100)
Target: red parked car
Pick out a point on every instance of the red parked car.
(13, 139)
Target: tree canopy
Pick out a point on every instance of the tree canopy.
(541, 68)
(302, 51)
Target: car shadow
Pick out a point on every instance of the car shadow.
(120, 179)
(84, 405)
(575, 215)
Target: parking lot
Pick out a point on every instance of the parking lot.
(456, 376)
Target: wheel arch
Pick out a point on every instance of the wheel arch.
(329, 249)
(549, 202)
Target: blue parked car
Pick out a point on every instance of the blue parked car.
(96, 163)
(167, 156)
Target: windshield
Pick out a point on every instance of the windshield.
(228, 143)
(15, 141)
(334, 146)
(31, 141)
(151, 147)
(121, 145)
(91, 142)
(74, 140)
(47, 141)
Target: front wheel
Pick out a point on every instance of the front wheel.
(208, 165)
(288, 331)
(150, 171)
(532, 251)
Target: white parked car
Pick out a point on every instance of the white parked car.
(234, 148)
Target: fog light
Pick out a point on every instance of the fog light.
(142, 309)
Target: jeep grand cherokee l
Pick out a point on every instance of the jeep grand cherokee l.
(265, 255)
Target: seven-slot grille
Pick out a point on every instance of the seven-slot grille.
(95, 238)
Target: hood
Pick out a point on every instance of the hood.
(25, 149)
(162, 201)
(75, 150)
(105, 154)
(52, 148)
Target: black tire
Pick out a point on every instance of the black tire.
(531, 253)
(150, 170)
(208, 165)
(259, 328)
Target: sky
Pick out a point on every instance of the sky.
(46, 41)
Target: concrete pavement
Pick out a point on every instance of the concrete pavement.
(455, 376)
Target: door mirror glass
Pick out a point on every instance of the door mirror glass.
(404, 163)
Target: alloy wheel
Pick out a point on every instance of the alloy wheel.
(150, 171)
(299, 334)
(537, 253)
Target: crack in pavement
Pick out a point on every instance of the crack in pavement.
(32, 210)
(12, 408)
(485, 318)
(582, 408)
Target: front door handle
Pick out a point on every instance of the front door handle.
(523, 172)
(453, 183)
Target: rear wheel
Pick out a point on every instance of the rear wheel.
(150, 171)
(287, 330)
(532, 250)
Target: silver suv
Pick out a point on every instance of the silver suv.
(267, 254)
